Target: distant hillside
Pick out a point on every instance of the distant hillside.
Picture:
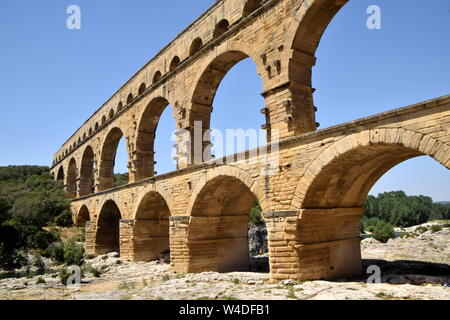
(21, 172)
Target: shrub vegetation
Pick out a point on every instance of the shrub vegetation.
(30, 199)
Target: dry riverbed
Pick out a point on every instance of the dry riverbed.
(412, 268)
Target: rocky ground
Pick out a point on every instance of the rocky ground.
(414, 267)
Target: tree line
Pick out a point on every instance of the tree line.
(401, 210)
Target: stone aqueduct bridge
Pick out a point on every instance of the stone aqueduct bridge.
(314, 195)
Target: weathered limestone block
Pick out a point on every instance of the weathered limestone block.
(89, 244)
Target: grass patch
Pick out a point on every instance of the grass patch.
(126, 286)
(291, 294)
(165, 278)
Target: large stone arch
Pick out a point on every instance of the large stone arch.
(107, 235)
(218, 225)
(72, 177)
(332, 191)
(155, 188)
(150, 236)
(60, 175)
(108, 158)
(304, 34)
(144, 165)
(87, 179)
(229, 171)
(82, 216)
(371, 147)
(302, 38)
(238, 51)
(206, 83)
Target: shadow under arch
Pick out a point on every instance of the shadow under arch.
(82, 217)
(251, 6)
(60, 175)
(218, 228)
(332, 192)
(107, 235)
(71, 184)
(151, 228)
(145, 138)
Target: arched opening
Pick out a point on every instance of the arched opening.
(142, 88)
(107, 237)
(71, 185)
(334, 204)
(251, 6)
(156, 77)
(96, 126)
(346, 46)
(218, 231)
(83, 217)
(90, 131)
(87, 181)
(157, 120)
(111, 113)
(174, 63)
(151, 228)
(108, 159)
(103, 120)
(303, 38)
(60, 175)
(119, 106)
(221, 28)
(196, 45)
(130, 98)
(247, 104)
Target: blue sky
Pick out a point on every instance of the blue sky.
(52, 79)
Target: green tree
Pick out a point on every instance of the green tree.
(383, 231)
(120, 179)
(255, 214)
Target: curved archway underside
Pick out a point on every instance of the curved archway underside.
(83, 217)
(87, 180)
(218, 231)
(108, 159)
(107, 238)
(145, 141)
(151, 229)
